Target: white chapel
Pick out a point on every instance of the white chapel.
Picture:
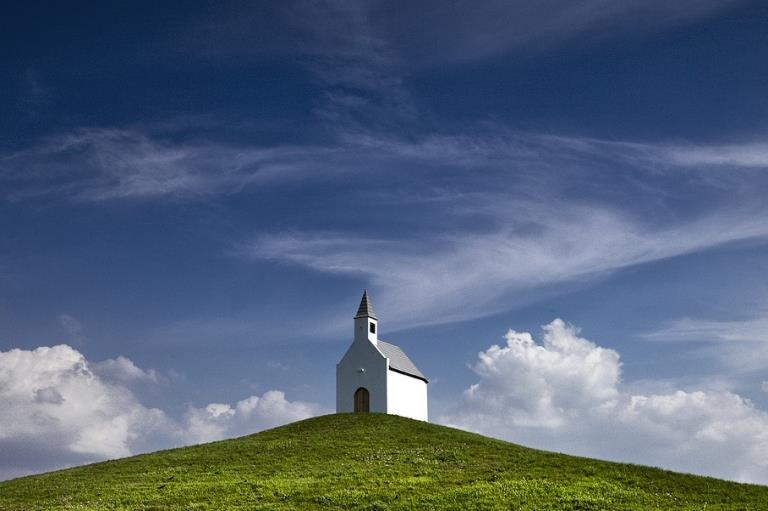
(376, 376)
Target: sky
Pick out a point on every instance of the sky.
(558, 211)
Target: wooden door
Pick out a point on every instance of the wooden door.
(362, 400)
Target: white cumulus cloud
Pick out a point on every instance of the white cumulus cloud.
(123, 369)
(565, 394)
(538, 385)
(58, 409)
(221, 420)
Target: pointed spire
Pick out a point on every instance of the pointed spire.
(366, 307)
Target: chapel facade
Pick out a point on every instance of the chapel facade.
(377, 376)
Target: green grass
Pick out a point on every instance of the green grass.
(370, 461)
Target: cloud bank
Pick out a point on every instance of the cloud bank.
(565, 394)
(61, 410)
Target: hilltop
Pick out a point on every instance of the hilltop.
(370, 461)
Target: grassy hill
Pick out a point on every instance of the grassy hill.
(370, 461)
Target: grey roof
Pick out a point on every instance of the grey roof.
(398, 360)
(366, 307)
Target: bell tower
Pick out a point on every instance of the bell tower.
(366, 322)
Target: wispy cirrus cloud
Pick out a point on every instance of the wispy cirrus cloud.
(73, 328)
(740, 345)
(754, 329)
(455, 33)
(105, 164)
(463, 275)
(359, 75)
(362, 52)
(489, 219)
(744, 155)
(465, 31)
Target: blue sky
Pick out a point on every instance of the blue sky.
(194, 195)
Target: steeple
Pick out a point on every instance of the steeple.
(366, 322)
(366, 307)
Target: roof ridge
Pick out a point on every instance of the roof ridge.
(398, 360)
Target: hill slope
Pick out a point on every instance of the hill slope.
(370, 461)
